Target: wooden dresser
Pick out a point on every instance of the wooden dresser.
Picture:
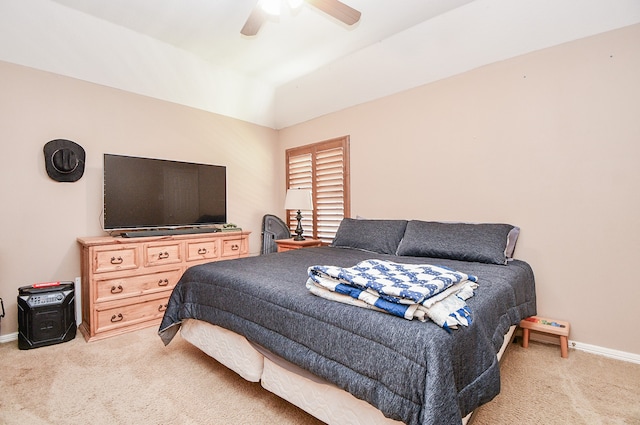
(126, 282)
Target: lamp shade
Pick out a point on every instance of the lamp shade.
(298, 199)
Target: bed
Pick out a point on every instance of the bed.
(345, 364)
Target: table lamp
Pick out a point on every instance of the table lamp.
(298, 199)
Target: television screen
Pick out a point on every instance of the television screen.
(154, 193)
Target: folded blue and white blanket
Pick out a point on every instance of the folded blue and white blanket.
(411, 291)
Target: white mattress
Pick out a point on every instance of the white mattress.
(229, 348)
(312, 394)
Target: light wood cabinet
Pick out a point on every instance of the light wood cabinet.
(126, 282)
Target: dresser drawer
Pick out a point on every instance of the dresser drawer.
(130, 286)
(234, 247)
(123, 315)
(114, 259)
(204, 250)
(162, 253)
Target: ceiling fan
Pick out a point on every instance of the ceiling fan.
(263, 8)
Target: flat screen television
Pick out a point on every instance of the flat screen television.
(147, 193)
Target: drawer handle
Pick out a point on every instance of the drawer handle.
(202, 251)
(117, 290)
(117, 318)
(115, 260)
(235, 247)
(163, 282)
(163, 255)
(162, 307)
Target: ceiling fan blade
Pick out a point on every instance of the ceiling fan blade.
(254, 22)
(338, 10)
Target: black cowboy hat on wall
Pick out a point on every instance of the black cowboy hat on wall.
(64, 160)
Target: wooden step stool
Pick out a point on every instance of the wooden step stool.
(548, 326)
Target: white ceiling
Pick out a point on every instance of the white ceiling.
(299, 66)
(285, 48)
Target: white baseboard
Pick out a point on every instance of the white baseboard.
(8, 337)
(593, 349)
(607, 352)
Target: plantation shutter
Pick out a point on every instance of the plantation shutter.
(301, 177)
(324, 168)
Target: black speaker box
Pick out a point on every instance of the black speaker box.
(46, 314)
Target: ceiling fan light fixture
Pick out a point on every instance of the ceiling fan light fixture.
(295, 4)
(271, 7)
(260, 13)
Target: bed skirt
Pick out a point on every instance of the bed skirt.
(299, 387)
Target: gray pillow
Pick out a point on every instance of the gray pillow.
(483, 243)
(381, 236)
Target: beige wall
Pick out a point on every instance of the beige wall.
(549, 141)
(40, 218)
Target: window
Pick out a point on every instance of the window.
(324, 168)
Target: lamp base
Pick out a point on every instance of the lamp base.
(299, 230)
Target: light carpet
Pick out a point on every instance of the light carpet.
(134, 379)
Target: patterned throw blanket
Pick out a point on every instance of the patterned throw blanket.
(405, 290)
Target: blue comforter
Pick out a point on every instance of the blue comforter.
(412, 371)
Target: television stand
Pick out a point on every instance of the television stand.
(168, 232)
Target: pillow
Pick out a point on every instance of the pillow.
(381, 236)
(483, 243)
(512, 238)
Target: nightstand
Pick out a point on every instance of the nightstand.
(289, 244)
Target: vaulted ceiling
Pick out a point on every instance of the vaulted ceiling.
(300, 65)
